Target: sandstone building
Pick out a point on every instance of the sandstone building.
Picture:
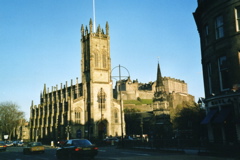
(218, 24)
(84, 109)
(22, 131)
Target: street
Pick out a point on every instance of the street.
(105, 153)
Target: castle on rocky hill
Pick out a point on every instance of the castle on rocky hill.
(175, 92)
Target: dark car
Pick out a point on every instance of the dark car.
(76, 149)
(111, 141)
(3, 146)
(34, 147)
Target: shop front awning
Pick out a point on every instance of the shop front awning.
(222, 115)
(209, 116)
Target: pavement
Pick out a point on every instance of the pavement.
(191, 154)
(183, 157)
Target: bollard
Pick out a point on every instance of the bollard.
(112, 142)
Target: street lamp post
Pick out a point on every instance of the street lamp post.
(121, 104)
(120, 96)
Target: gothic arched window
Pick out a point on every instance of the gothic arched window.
(101, 99)
(116, 116)
(104, 61)
(78, 115)
(96, 60)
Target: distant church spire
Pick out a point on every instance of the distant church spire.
(159, 82)
(160, 94)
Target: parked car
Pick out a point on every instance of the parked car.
(15, 143)
(9, 143)
(20, 144)
(76, 148)
(34, 147)
(3, 146)
(128, 138)
(110, 141)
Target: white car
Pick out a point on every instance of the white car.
(9, 143)
(20, 144)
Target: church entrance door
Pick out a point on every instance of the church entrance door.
(102, 130)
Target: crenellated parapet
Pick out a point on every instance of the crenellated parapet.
(86, 32)
(134, 89)
(145, 86)
(173, 79)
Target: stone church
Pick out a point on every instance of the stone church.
(81, 110)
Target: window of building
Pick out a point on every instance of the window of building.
(46, 131)
(116, 117)
(239, 58)
(101, 99)
(77, 117)
(219, 27)
(104, 61)
(206, 32)
(223, 73)
(96, 60)
(209, 72)
(237, 15)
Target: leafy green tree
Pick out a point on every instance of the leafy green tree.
(132, 119)
(187, 117)
(10, 117)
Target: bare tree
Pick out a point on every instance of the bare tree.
(10, 117)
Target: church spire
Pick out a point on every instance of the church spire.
(160, 94)
(159, 82)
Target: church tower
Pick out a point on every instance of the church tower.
(102, 112)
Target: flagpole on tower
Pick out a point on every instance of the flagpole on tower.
(94, 16)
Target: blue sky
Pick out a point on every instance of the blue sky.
(40, 43)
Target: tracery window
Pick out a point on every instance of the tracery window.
(104, 61)
(78, 115)
(116, 116)
(101, 99)
(96, 60)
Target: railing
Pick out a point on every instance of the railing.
(182, 145)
